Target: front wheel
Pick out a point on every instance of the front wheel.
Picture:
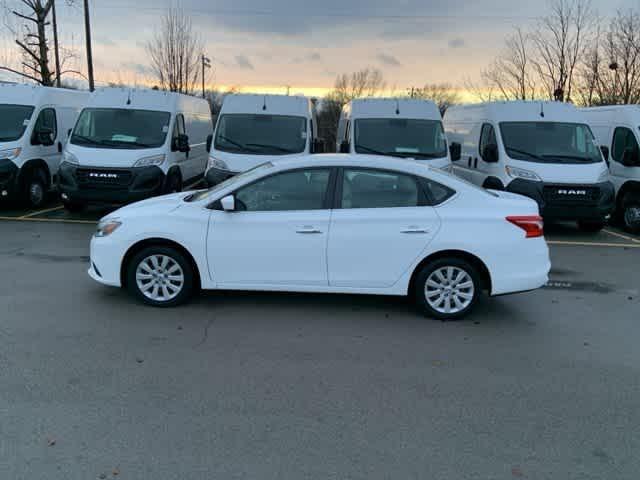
(631, 215)
(173, 183)
(160, 276)
(447, 288)
(592, 226)
(35, 190)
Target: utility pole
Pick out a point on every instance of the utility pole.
(288, 87)
(206, 63)
(55, 42)
(87, 34)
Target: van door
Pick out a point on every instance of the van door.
(482, 168)
(177, 157)
(197, 128)
(49, 151)
(623, 139)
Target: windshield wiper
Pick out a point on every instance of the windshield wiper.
(124, 143)
(523, 152)
(274, 147)
(232, 142)
(87, 140)
(571, 157)
(377, 152)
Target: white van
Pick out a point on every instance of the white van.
(34, 122)
(398, 127)
(617, 130)
(132, 144)
(253, 129)
(543, 150)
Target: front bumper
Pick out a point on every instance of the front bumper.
(215, 175)
(105, 258)
(109, 185)
(8, 179)
(593, 202)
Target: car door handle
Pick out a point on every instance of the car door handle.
(414, 230)
(308, 230)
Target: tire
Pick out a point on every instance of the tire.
(73, 207)
(163, 291)
(34, 188)
(591, 226)
(434, 282)
(173, 184)
(630, 214)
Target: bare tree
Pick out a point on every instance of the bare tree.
(175, 52)
(443, 94)
(559, 42)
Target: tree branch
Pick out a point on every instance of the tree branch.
(22, 74)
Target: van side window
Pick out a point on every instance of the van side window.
(623, 139)
(179, 126)
(347, 133)
(487, 137)
(47, 120)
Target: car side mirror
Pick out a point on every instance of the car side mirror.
(209, 142)
(228, 203)
(630, 157)
(345, 147)
(318, 145)
(44, 136)
(490, 153)
(455, 150)
(181, 143)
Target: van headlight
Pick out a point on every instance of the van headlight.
(217, 163)
(107, 227)
(68, 157)
(10, 153)
(515, 172)
(149, 161)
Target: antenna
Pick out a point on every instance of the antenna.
(264, 102)
(542, 109)
(129, 97)
(397, 107)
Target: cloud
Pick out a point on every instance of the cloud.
(389, 60)
(138, 68)
(105, 41)
(310, 58)
(243, 62)
(456, 42)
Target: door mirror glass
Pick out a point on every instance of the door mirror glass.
(490, 153)
(344, 146)
(455, 150)
(209, 141)
(44, 136)
(181, 143)
(228, 203)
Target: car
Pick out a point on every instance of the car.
(335, 223)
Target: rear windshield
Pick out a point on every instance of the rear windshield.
(13, 121)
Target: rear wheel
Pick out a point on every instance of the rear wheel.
(630, 214)
(34, 188)
(160, 276)
(591, 226)
(447, 288)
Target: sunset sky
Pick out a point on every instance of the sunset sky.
(264, 46)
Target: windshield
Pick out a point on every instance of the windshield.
(13, 121)
(400, 137)
(261, 134)
(549, 142)
(121, 128)
(203, 194)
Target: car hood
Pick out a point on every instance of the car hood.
(565, 173)
(155, 205)
(111, 157)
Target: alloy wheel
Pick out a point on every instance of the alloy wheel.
(449, 290)
(160, 278)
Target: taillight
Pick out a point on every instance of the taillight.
(531, 224)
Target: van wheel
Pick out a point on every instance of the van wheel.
(631, 213)
(592, 226)
(34, 188)
(160, 276)
(173, 183)
(447, 288)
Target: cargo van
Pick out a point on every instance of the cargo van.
(253, 129)
(397, 127)
(131, 144)
(617, 131)
(543, 150)
(34, 122)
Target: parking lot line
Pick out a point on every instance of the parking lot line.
(40, 212)
(616, 234)
(50, 220)
(593, 244)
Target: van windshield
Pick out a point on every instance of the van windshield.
(400, 137)
(13, 121)
(550, 142)
(261, 134)
(121, 128)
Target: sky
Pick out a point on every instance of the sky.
(271, 46)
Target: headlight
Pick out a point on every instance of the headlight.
(604, 176)
(515, 172)
(107, 227)
(152, 160)
(217, 163)
(70, 158)
(10, 153)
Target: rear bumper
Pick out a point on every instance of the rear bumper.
(596, 205)
(214, 176)
(109, 185)
(521, 269)
(8, 179)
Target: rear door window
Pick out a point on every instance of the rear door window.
(368, 188)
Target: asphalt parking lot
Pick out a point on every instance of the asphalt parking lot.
(243, 385)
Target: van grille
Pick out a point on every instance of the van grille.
(118, 178)
(571, 194)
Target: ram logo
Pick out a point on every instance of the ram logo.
(566, 191)
(103, 175)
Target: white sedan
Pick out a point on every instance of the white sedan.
(328, 223)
